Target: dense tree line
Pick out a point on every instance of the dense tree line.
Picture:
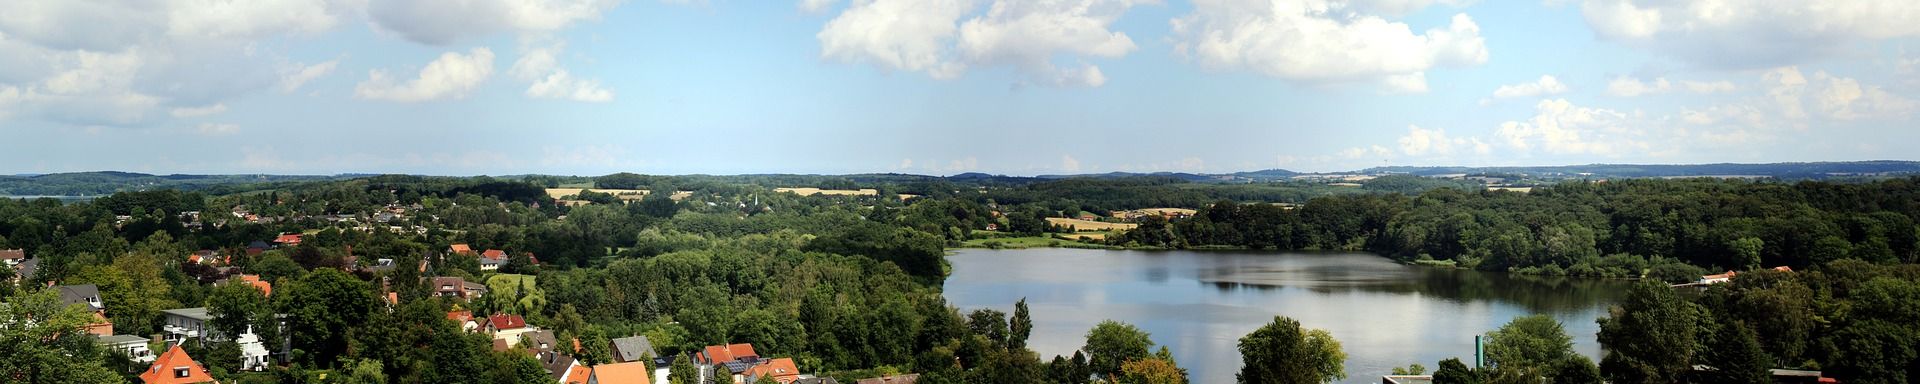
(1622, 228)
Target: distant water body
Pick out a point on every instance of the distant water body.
(1200, 303)
(61, 198)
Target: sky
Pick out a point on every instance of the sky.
(1018, 87)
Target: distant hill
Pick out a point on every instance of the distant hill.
(1818, 170)
(108, 182)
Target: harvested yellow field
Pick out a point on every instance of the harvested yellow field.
(1088, 225)
(1169, 211)
(1086, 236)
(623, 194)
(834, 192)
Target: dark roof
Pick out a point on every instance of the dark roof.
(87, 294)
(540, 341)
(633, 348)
(257, 244)
(557, 365)
(29, 268)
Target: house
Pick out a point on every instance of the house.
(26, 270)
(465, 319)
(195, 324)
(715, 354)
(175, 367)
(256, 248)
(619, 373)
(88, 295)
(134, 347)
(782, 370)
(558, 366)
(1717, 279)
(12, 257)
(540, 343)
(896, 379)
(266, 288)
(506, 327)
(492, 259)
(288, 239)
(460, 249)
(448, 286)
(628, 349)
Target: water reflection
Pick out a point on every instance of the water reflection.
(1200, 303)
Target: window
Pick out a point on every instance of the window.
(180, 372)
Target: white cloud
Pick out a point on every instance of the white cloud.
(294, 75)
(453, 75)
(1546, 85)
(1750, 33)
(1360, 152)
(1560, 127)
(1322, 42)
(199, 111)
(1030, 36)
(211, 129)
(1069, 164)
(1423, 142)
(1832, 97)
(1706, 87)
(540, 65)
(1628, 86)
(816, 6)
(442, 22)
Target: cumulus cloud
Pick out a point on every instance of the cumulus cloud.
(209, 110)
(1750, 34)
(1831, 97)
(1030, 36)
(541, 66)
(1628, 86)
(292, 76)
(453, 75)
(1423, 142)
(442, 22)
(1322, 42)
(1069, 164)
(1546, 85)
(1560, 127)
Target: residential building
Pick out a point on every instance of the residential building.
(175, 367)
(26, 270)
(506, 328)
(88, 296)
(615, 373)
(134, 347)
(195, 324)
(1717, 279)
(12, 257)
(492, 259)
(288, 239)
(460, 249)
(628, 349)
(465, 319)
(782, 370)
(448, 286)
(265, 287)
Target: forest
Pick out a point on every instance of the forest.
(850, 286)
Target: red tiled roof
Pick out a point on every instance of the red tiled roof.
(1783, 268)
(578, 374)
(725, 353)
(461, 249)
(291, 238)
(460, 316)
(622, 373)
(499, 321)
(13, 254)
(165, 369)
(266, 288)
(783, 370)
(494, 254)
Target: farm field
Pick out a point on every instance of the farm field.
(1089, 225)
(835, 192)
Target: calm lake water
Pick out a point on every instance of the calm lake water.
(1200, 303)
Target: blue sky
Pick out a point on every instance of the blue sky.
(464, 87)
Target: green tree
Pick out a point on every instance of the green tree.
(1736, 356)
(1746, 251)
(1281, 352)
(1531, 345)
(133, 290)
(1021, 326)
(235, 306)
(49, 348)
(1452, 371)
(1650, 336)
(1111, 343)
(321, 308)
(1159, 369)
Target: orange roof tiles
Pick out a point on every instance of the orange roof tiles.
(622, 373)
(783, 370)
(724, 353)
(175, 367)
(461, 249)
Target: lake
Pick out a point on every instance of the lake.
(1200, 303)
